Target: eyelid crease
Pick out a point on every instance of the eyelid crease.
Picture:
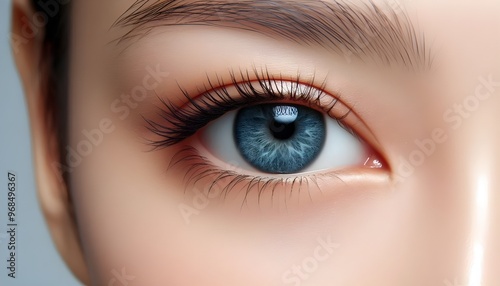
(181, 122)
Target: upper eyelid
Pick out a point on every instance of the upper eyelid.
(177, 123)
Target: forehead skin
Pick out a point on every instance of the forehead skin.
(423, 233)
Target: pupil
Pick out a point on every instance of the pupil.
(282, 131)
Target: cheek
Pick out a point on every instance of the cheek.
(125, 212)
(129, 215)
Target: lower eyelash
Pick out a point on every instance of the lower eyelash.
(224, 182)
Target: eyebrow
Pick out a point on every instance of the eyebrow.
(366, 31)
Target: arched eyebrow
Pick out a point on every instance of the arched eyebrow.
(367, 31)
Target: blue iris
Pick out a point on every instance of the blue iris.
(279, 139)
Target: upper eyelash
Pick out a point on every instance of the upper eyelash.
(179, 123)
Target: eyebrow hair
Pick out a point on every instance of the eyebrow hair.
(366, 31)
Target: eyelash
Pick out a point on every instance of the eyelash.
(179, 123)
(199, 168)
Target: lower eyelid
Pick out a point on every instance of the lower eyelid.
(223, 182)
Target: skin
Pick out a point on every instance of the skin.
(432, 225)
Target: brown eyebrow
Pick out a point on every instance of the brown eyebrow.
(364, 31)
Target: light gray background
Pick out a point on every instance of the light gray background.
(38, 263)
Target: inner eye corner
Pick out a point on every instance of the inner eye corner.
(375, 159)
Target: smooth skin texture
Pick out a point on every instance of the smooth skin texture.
(426, 219)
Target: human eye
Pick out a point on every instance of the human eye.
(258, 134)
(282, 138)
